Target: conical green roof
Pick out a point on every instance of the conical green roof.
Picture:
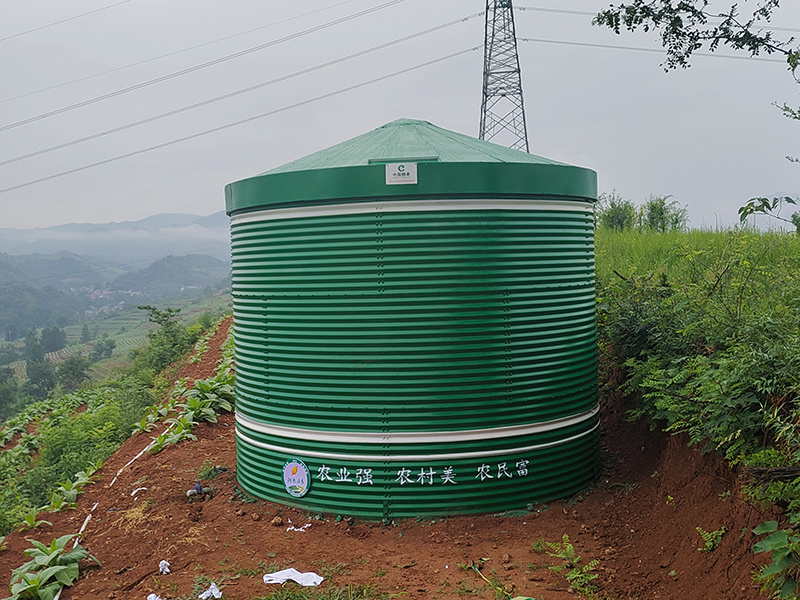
(447, 165)
(408, 140)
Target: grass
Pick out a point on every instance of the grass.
(346, 592)
(637, 254)
(329, 571)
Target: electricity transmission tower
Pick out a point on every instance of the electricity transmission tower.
(502, 108)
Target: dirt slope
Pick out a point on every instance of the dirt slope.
(638, 521)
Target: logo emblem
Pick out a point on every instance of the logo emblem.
(296, 477)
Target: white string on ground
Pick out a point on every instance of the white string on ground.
(130, 462)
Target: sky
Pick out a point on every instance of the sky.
(121, 75)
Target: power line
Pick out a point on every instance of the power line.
(240, 122)
(639, 49)
(241, 91)
(147, 60)
(91, 12)
(561, 11)
(319, 67)
(198, 67)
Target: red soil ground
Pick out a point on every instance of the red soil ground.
(638, 521)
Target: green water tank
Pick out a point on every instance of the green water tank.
(414, 327)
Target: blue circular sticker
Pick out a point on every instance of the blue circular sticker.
(296, 477)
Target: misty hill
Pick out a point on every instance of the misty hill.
(60, 270)
(128, 243)
(175, 275)
(34, 294)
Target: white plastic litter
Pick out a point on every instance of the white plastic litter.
(137, 490)
(153, 597)
(211, 592)
(300, 529)
(163, 567)
(306, 579)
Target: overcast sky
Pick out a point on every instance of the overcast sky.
(709, 135)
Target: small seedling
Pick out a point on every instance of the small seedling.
(29, 521)
(578, 576)
(209, 471)
(538, 546)
(58, 503)
(670, 500)
(712, 539)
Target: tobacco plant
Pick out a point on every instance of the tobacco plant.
(50, 569)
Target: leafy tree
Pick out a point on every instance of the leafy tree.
(41, 379)
(73, 371)
(615, 212)
(658, 214)
(85, 334)
(33, 351)
(688, 25)
(8, 354)
(103, 348)
(8, 392)
(53, 339)
(167, 343)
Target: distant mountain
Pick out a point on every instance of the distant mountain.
(129, 243)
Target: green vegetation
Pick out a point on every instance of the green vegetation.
(686, 26)
(332, 592)
(711, 539)
(57, 449)
(704, 328)
(96, 351)
(58, 290)
(772, 206)
(50, 569)
(658, 214)
(781, 576)
(578, 576)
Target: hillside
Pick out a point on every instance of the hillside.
(174, 275)
(638, 522)
(60, 270)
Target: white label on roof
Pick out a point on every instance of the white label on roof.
(401, 173)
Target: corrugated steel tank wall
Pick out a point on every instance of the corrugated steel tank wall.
(418, 356)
